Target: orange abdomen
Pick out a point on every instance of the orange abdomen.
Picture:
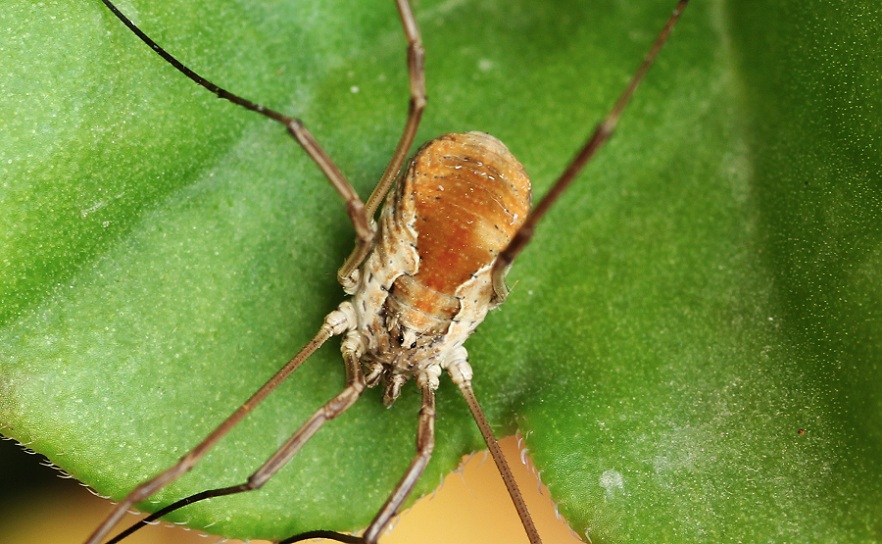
(470, 196)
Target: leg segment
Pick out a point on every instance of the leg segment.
(425, 443)
(601, 134)
(416, 74)
(354, 206)
(355, 385)
(337, 322)
(461, 374)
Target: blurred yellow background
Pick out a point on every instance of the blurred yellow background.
(472, 507)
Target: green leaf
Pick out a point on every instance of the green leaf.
(692, 343)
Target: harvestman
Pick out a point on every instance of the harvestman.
(419, 280)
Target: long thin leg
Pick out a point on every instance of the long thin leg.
(354, 206)
(335, 323)
(327, 535)
(601, 134)
(342, 401)
(425, 443)
(461, 373)
(416, 74)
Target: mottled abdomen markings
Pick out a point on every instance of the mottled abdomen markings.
(427, 283)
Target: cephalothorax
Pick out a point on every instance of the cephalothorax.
(420, 280)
